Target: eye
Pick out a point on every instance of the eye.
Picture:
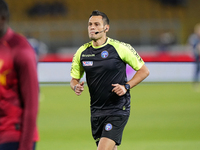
(97, 24)
(90, 24)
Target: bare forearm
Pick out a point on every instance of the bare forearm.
(139, 76)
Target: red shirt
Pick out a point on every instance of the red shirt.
(18, 91)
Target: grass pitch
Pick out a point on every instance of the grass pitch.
(164, 116)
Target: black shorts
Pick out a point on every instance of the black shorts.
(108, 126)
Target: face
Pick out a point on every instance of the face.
(96, 24)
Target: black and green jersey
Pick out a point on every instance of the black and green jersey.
(106, 65)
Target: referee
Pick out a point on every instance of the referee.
(104, 62)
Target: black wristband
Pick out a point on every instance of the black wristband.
(127, 87)
(74, 87)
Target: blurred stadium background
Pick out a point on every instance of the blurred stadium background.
(165, 117)
(150, 26)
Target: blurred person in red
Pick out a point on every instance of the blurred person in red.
(194, 41)
(18, 88)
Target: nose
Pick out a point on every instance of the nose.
(92, 28)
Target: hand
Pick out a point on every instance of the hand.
(119, 89)
(78, 89)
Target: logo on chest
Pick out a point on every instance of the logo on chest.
(104, 54)
(87, 63)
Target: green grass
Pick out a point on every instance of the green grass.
(164, 116)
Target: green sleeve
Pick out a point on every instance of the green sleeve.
(77, 70)
(128, 54)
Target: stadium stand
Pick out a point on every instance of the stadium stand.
(117, 10)
(133, 21)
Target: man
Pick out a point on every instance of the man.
(104, 61)
(18, 88)
(39, 46)
(194, 41)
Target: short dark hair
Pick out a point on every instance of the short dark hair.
(4, 11)
(104, 16)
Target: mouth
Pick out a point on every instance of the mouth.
(93, 32)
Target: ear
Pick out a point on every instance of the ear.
(107, 27)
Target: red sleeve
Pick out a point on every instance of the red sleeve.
(29, 88)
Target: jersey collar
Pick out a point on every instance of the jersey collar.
(96, 47)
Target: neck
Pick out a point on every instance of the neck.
(100, 41)
(3, 32)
